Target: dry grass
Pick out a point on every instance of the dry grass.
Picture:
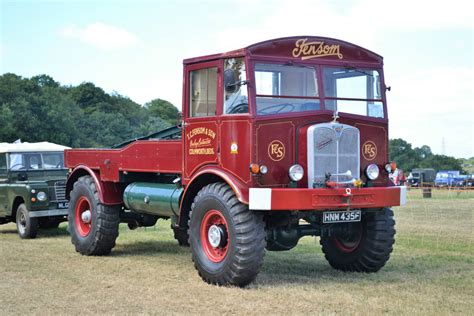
(431, 272)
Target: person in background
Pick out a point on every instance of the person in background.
(401, 177)
(394, 176)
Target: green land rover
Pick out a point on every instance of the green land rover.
(32, 186)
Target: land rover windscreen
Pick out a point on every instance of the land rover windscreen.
(36, 161)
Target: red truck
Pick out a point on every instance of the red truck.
(282, 139)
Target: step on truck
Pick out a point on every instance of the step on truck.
(279, 140)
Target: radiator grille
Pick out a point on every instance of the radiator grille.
(332, 148)
(59, 191)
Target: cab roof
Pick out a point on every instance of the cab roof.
(31, 147)
(300, 48)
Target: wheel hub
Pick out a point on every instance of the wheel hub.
(22, 220)
(86, 216)
(83, 216)
(215, 235)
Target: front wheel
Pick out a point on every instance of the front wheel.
(27, 226)
(93, 226)
(227, 239)
(363, 246)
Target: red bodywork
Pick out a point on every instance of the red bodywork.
(208, 143)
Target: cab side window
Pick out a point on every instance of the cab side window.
(203, 92)
(235, 87)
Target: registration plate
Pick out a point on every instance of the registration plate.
(63, 205)
(341, 216)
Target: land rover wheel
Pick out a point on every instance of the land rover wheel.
(363, 246)
(27, 226)
(227, 239)
(93, 226)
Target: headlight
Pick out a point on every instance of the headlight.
(296, 172)
(263, 169)
(41, 196)
(388, 168)
(372, 171)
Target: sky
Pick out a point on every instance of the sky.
(136, 48)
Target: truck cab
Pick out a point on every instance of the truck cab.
(32, 186)
(314, 103)
(279, 140)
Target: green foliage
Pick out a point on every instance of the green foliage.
(468, 164)
(40, 109)
(164, 109)
(408, 158)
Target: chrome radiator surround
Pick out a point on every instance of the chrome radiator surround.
(333, 148)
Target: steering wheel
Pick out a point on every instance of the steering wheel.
(18, 164)
(277, 108)
(239, 108)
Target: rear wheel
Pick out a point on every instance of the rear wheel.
(92, 225)
(227, 239)
(27, 226)
(364, 246)
(181, 235)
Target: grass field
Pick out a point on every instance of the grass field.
(431, 271)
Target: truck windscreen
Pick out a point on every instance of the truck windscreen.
(353, 90)
(285, 88)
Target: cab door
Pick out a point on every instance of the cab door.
(202, 107)
(3, 185)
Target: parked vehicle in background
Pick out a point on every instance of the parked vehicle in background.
(32, 186)
(446, 178)
(421, 177)
(460, 180)
(469, 181)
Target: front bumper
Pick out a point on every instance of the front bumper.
(325, 199)
(57, 212)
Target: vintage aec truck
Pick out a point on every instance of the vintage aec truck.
(279, 140)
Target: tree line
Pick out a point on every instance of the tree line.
(409, 158)
(41, 109)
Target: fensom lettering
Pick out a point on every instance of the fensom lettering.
(206, 142)
(201, 151)
(308, 50)
(201, 131)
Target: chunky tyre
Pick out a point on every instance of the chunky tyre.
(27, 226)
(181, 235)
(227, 239)
(92, 225)
(364, 246)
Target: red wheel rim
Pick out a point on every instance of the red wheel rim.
(346, 246)
(349, 243)
(214, 219)
(83, 227)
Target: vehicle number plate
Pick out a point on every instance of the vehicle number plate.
(341, 216)
(63, 205)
